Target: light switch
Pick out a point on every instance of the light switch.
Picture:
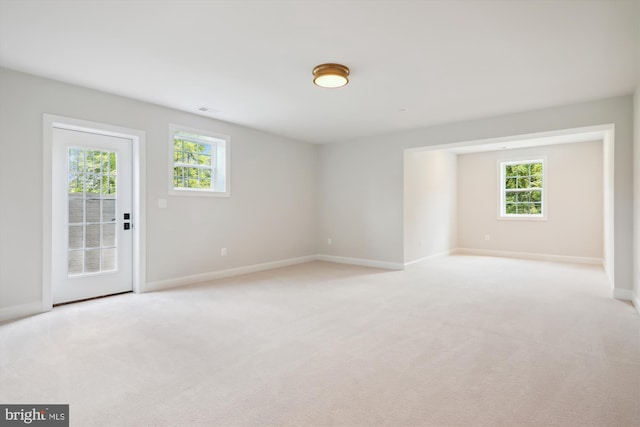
(162, 203)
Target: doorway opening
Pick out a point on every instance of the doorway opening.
(417, 234)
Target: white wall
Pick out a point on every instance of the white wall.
(429, 203)
(636, 198)
(361, 184)
(271, 214)
(574, 203)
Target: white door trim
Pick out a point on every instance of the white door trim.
(137, 137)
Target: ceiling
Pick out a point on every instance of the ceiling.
(413, 63)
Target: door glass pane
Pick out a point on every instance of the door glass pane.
(76, 237)
(76, 211)
(108, 210)
(92, 261)
(76, 263)
(92, 211)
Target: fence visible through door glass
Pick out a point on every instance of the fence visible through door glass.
(92, 176)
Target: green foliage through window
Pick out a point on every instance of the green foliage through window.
(91, 172)
(522, 186)
(193, 160)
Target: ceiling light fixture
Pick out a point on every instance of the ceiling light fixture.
(330, 75)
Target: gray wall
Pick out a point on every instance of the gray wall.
(271, 214)
(636, 213)
(430, 203)
(361, 181)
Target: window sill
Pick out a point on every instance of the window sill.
(196, 193)
(522, 218)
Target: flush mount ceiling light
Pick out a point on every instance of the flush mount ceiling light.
(330, 75)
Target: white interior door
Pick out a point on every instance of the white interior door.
(91, 202)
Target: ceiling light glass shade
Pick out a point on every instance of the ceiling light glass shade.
(330, 75)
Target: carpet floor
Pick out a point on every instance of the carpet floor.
(453, 341)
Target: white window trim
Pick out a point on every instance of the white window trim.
(502, 215)
(222, 167)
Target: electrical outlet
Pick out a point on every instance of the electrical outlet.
(329, 241)
(223, 252)
(487, 237)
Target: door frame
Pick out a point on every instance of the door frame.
(137, 137)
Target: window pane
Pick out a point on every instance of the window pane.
(74, 155)
(203, 159)
(536, 208)
(536, 196)
(93, 184)
(511, 208)
(76, 236)
(94, 161)
(108, 210)
(510, 183)
(93, 236)
(93, 210)
(76, 185)
(509, 170)
(92, 261)
(191, 158)
(522, 196)
(75, 262)
(536, 169)
(523, 170)
(189, 147)
(510, 196)
(536, 181)
(523, 182)
(105, 158)
(76, 210)
(205, 178)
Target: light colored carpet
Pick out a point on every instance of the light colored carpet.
(455, 341)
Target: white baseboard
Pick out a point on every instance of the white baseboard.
(424, 258)
(23, 310)
(531, 256)
(360, 261)
(205, 277)
(623, 294)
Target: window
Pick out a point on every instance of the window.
(200, 162)
(522, 189)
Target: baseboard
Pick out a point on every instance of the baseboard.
(623, 294)
(23, 310)
(425, 258)
(360, 261)
(205, 277)
(531, 256)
